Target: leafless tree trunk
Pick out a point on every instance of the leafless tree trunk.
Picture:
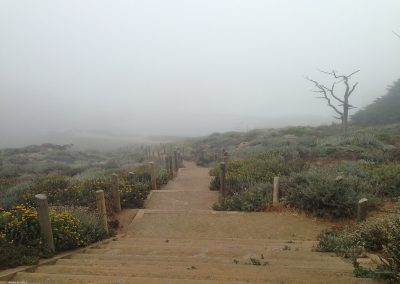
(340, 104)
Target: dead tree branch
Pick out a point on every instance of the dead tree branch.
(340, 104)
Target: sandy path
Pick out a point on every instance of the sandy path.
(183, 209)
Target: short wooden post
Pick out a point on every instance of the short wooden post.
(176, 161)
(115, 193)
(131, 178)
(153, 176)
(101, 208)
(44, 221)
(362, 210)
(167, 164)
(222, 182)
(170, 168)
(179, 159)
(226, 157)
(275, 194)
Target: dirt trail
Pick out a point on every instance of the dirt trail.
(184, 209)
(179, 239)
(188, 191)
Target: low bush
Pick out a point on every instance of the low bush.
(386, 178)
(133, 196)
(242, 174)
(57, 188)
(20, 226)
(66, 231)
(374, 234)
(341, 242)
(12, 195)
(12, 255)
(326, 192)
(378, 234)
(21, 241)
(391, 250)
(162, 177)
(255, 198)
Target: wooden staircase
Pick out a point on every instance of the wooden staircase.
(202, 261)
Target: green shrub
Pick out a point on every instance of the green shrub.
(12, 255)
(20, 226)
(11, 196)
(133, 196)
(255, 198)
(391, 250)
(241, 174)
(325, 192)
(381, 234)
(66, 231)
(88, 190)
(360, 145)
(80, 226)
(374, 233)
(162, 177)
(386, 177)
(341, 242)
(56, 188)
(21, 241)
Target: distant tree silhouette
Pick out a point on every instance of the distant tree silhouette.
(339, 103)
(384, 110)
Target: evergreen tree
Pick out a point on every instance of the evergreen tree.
(384, 110)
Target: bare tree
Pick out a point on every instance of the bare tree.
(396, 34)
(339, 103)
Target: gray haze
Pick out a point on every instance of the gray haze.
(186, 67)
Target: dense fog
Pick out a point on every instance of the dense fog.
(73, 69)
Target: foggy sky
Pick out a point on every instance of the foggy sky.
(186, 67)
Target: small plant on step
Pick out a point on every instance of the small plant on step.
(255, 261)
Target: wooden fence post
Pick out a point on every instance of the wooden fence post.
(167, 163)
(115, 193)
(275, 194)
(226, 157)
(362, 210)
(44, 221)
(171, 168)
(101, 207)
(176, 161)
(153, 176)
(222, 182)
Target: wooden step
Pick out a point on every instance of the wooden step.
(205, 251)
(32, 278)
(230, 264)
(281, 256)
(223, 272)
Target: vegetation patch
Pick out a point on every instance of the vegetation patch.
(378, 234)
